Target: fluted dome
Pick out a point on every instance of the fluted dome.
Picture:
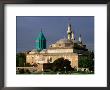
(41, 36)
(40, 42)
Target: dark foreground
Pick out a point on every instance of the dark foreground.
(54, 73)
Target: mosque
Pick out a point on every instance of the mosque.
(68, 48)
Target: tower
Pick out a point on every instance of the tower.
(40, 41)
(80, 40)
(72, 36)
(69, 31)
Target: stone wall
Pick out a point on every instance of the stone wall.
(60, 50)
(51, 57)
(39, 68)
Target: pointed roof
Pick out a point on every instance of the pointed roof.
(41, 36)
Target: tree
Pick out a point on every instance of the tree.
(86, 63)
(20, 59)
(61, 64)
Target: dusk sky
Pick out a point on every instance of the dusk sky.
(54, 28)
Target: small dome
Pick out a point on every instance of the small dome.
(33, 51)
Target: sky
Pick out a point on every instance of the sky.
(53, 28)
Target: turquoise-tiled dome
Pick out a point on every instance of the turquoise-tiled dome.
(40, 42)
(41, 36)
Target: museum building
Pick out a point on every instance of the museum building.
(65, 48)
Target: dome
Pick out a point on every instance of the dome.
(40, 42)
(63, 41)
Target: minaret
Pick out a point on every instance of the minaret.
(69, 31)
(80, 40)
(72, 36)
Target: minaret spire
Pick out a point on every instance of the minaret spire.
(80, 40)
(69, 31)
(72, 36)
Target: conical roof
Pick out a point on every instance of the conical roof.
(41, 36)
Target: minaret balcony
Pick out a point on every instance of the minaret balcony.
(69, 32)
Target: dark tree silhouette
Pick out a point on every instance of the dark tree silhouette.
(61, 64)
(85, 63)
(20, 59)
